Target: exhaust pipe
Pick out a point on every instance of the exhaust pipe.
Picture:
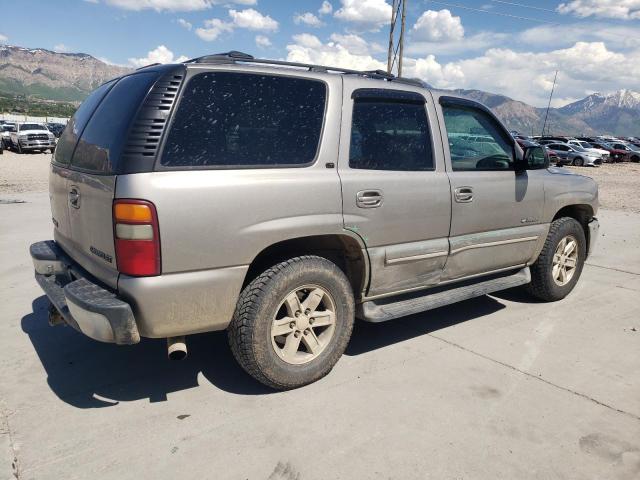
(176, 348)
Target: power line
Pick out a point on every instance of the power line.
(479, 10)
(514, 4)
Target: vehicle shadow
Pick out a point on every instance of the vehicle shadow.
(90, 374)
(371, 336)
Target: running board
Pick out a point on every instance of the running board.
(391, 308)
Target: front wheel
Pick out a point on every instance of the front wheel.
(578, 162)
(293, 322)
(19, 148)
(559, 265)
(635, 159)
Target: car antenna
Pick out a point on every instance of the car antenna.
(549, 104)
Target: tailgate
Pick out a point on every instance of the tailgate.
(84, 173)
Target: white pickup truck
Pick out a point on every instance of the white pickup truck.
(32, 136)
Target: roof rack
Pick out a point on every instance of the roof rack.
(240, 57)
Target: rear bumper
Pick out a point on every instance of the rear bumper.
(86, 306)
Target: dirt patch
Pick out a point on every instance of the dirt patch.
(28, 172)
(618, 184)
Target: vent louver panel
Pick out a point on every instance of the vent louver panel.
(146, 132)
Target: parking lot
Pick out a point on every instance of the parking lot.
(495, 387)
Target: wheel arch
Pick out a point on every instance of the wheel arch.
(345, 250)
(582, 213)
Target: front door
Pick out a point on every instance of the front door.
(496, 218)
(395, 189)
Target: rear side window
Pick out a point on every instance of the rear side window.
(69, 138)
(390, 135)
(101, 144)
(231, 120)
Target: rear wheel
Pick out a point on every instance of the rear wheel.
(293, 322)
(559, 265)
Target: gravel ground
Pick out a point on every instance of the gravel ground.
(619, 182)
(23, 173)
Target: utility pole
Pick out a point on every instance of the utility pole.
(395, 52)
(549, 104)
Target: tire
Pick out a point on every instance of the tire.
(543, 284)
(635, 159)
(19, 148)
(578, 162)
(263, 355)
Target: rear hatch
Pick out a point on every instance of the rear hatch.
(91, 153)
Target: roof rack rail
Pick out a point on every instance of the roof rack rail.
(236, 57)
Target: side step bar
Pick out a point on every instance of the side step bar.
(391, 308)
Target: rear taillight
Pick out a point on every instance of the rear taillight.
(137, 237)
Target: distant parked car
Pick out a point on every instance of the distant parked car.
(632, 153)
(56, 128)
(604, 154)
(5, 134)
(32, 136)
(574, 155)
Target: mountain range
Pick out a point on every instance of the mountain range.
(69, 77)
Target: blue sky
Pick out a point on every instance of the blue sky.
(510, 47)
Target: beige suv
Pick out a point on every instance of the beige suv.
(280, 201)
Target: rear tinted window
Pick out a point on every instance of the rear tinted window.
(101, 142)
(246, 120)
(69, 137)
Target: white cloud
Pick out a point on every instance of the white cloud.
(60, 48)
(618, 36)
(183, 23)
(3, 38)
(436, 26)
(621, 9)
(326, 8)
(366, 14)
(356, 44)
(307, 18)
(309, 49)
(262, 41)
(473, 43)
(160, 54)
(253, 20)
(582, 68)
(250, 19)
(429, 70)
(160, 5)
(212, 29)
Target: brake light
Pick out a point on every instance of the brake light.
(137, 237)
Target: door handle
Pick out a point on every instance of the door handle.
(74, 197)
(369, 198)
(463, 194)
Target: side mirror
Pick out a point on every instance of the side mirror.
(535, 158)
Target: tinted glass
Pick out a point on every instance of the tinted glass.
(388, 135)
(32, 126)
(102, 140)
(476, 141)
(69, 138)
(246, 120)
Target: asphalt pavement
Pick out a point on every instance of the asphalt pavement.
(499, 387)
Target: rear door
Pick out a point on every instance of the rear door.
(395, 189)
(91, 176)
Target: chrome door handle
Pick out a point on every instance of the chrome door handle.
(463, 194)
(74, 197)
(369, 198)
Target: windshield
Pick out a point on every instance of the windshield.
(32, 126)
(578, 148)
(8, 128)
(584, 144)
(635, 148)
